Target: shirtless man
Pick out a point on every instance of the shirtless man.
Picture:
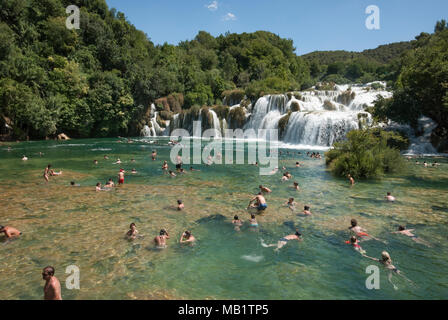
(389, 197)
(178, 162)
(259, 202)
(355, 243)
(180, 205)
(165, 166)
(98, 187)
(357, 230)
(283, 241)
(408, 232)
(110, 183)
(160, 240)
(121, 176)
(52, 288)
(296, 186)
(153, 155)
(10, 232)
(306, 211)
(187, 237)
(24, 158)
(350, 178)
(291, 204)
(237, 222)
(297, 164)
(133, 232)
(264, 189)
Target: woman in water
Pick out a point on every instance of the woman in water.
(180, 205)
(253, 222)
(133, 232)
(355, 244)
(408, 232)
(237, 222)
(291, 204)
(187, 237)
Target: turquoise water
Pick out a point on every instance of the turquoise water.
(65, 225)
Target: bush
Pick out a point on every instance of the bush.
(166, 115)
(283, 124)
(295, 106)
(231, 97)
(365, 154)
(326, 86)
(238, 116)
(346, 97)
(221, 111)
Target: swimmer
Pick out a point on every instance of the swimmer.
(264, 189)
(237, 222)
(73, 184)
(253, 222)
(355, 243)
(52, 288)
(110, 183)
(408, 232)
(283, 241)
(165, 166)
(187, 237)
(160, 240)
(360, 232)
(134, 171)
(389, 197)
(132, 160)
(95, 162)
(10, 232)
(121, 177)
(153, 155)
(118, 161)
(180, 205)
(288, 175)
(350, 178)
(259, 202)
(306, 211)
(133, 232)
(285, 177)
(182, 170)
(386, 261)
(296, 186)
(106, 157)
(191, 169)
(98, 187)
(291, 204)
(24, 158)
(172, 174)
(297, 164)
(425, 164)
(178, 162)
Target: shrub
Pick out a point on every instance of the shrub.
(295, 106)
(238, 116)
(346, 97)
(221, 111)
(166, 115)
(283, 124)
(365, 154)
(234, 96)
(175, 102)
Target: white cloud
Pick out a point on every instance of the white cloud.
(212, 6)
(229, 16)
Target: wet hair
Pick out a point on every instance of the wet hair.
(260, 186)
(388, 193)
(353, 222)
(235, 218)
(98, 184)
(252, 216)
(385, 256)
(179, 201)
(296, 183)
(259, 193)
(49, 166)
(298, 233)
(353, 239)
(2, 227)
(132, 224)
(291, 199)
(72, 183)
(306, 208)
(162, 232)
(188, 234)
(49, 270)
(297, 162)
(401, 228)
(110, 179)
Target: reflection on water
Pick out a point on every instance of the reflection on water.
(65, 225)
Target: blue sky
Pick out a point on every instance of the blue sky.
(313, 25)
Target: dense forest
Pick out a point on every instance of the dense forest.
(100, 80)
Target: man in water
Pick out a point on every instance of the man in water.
(389, 197)
(180, 205)
(291, 204)
(259, 202)
(98, 187)
(110, 183)
(306, 211)
(408, 232)
(264, 189)
(283, 241)
(165, 166)
(153, 155)
(178, 162)
(187, 237)
(357, 230)
(24, 158)
(253, 222)
(295, 186)
(160, 240)
(52, 288)
(10, 232)
(237, 222)
(121, 177)
(350, 178)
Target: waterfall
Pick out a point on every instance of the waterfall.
(216, 124)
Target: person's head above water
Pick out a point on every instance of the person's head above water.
(307, 208)
(48, 272)
(354, 223)
(1, 228)
(98, 184)
(252, 216)
(187, 234)
(388, 193)
(353, 239)
(401, 228)
(162, 232)
(179, 201)
(260, 186)
(296, 184)
(235, 218)
(291, 199)
(298, 233)
(385, 256)
(49, 166)
(132, 225)
(72, 183)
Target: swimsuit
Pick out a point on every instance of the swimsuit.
(262, 206)
(120, 181)
(284, 239)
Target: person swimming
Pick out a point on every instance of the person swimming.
(237, 222)
(408, 232)
(291, 204)
(264, 189)
(95, 162)
(187, 237)
(297, 164)
(171, 173)
(180, 205)
(355, 244)
(295, 186)
(133, 232)
(110, 183)
(359, 232)
(24, 158)
(10, 232)
(165, 166)
(160, 240)
(389, 197)
(134, 171)
(306, 211)
(252, 221)
(283, 241)
(118, 161)
(98, 187)
(153, 155)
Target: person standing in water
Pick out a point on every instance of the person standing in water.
(237, 222)
(350, 178)
(133, 232)
(10, 232)
(291, 204)
(187, 237)
(253, 222)
(165, 166)
(160, 240)
(121, 176)
(295, 186)
(360, 232)
(180, 205)
(52, 288)
(153, 155)
(259, 202)
(389, 197)
(306, 211)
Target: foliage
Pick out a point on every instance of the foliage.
(365, 154)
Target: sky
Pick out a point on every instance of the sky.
(312, 25)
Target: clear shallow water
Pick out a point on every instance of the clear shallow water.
(65, 225)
